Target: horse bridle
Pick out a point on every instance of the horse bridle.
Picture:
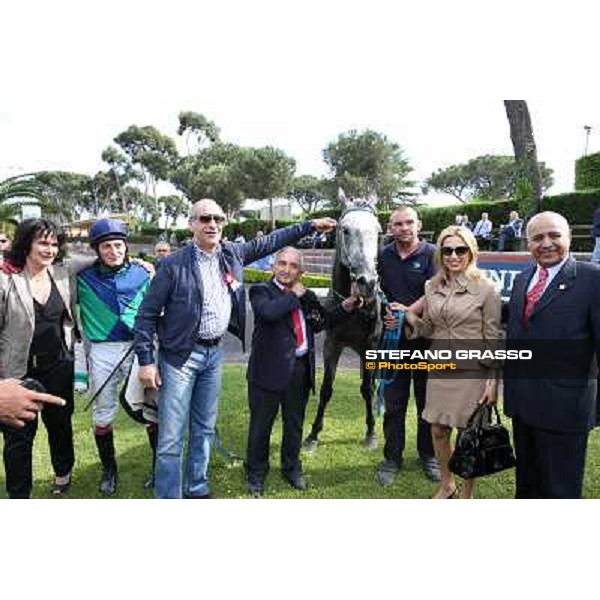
(340, 244)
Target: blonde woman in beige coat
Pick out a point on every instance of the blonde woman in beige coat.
(461, 303)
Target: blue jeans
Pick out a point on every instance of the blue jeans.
(596, 253)
(188, 402)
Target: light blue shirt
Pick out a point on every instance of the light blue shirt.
(483, 228)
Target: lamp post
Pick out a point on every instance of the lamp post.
(588, 129)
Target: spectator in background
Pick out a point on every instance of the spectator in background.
(265, 263)
(319, 240)
(466, 223)
(161, 250)
(4, 246)
(483, 230)
(510, 232)
(596, 253)
(458, 220)
(388, 238)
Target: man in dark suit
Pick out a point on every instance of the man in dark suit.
(554, 305)
(281, 368)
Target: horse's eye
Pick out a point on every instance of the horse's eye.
(345, 230)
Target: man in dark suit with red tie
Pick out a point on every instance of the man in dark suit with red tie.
(281, 368)
(555, 308)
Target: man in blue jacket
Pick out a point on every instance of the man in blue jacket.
(196, 296)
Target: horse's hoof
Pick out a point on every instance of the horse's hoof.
(370, 442)
(310, 445)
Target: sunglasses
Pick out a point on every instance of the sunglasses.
(218, 219)
(459, 251)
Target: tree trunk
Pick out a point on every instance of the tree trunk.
(521, 134)
(272, 214)
(120, 196)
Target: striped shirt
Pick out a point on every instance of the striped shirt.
(216, 306)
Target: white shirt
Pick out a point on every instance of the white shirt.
(552, 273)
(483, 228)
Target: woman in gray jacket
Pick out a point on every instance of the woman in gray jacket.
(36, 325)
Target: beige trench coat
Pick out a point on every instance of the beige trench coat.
(470, 310)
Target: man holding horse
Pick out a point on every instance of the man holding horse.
(404, 266)
(281, 368)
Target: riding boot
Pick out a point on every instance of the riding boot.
(152, 431)
(106, 451)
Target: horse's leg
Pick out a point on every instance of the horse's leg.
(331, 356)
(366, 389)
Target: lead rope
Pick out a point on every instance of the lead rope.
(389, 341)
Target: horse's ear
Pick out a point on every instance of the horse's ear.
(342, 196)
(372, 200)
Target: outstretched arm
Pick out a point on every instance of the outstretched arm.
(267, 244)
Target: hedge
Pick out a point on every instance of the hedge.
(577, 207)
(587, 172)
(312, 281)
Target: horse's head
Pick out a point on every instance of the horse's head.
(357, 241)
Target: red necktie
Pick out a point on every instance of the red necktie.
(535, 294)
(297, 321)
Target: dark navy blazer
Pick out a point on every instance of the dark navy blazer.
(569, 309)
(273, 353)
(172, 307)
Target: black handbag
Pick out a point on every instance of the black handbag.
(483, 447)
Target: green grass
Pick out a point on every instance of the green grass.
(340, 468)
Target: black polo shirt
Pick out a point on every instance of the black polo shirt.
(403, 280)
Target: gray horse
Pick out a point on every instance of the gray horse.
(357, 245)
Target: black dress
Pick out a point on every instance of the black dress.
(51, 364)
